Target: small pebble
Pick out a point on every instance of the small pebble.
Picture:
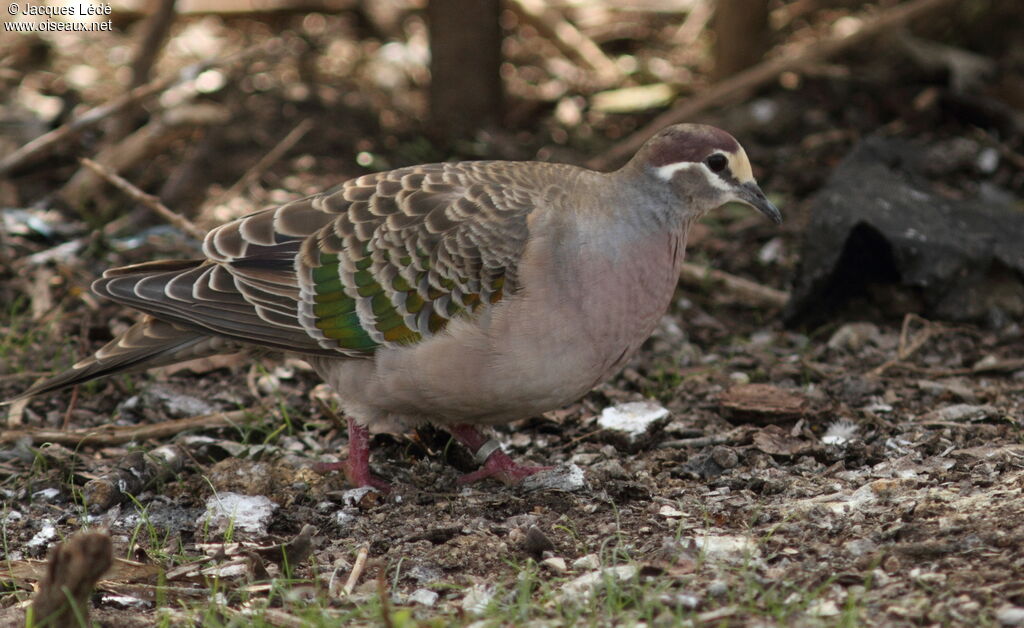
(718, 588)
(537, 542)
(853, 336)
(687, 601)
(739, 378)
(477, 599)
(556, 564)
(586, 563)
(425, 597)
(725, 457)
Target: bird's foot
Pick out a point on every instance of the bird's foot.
(502, 468)
(357, 466)
(356, 476)
(496, 463)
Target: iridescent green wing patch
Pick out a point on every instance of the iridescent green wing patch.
(335, 310)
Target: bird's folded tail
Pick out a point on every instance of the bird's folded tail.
(147, 344)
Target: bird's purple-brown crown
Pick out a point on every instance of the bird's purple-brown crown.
(688, 143)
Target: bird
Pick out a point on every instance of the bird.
(459, 294)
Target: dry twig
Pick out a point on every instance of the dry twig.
(148, 200)
(909, 345)
(106, 435)
(157, 27)
(261, 166)
(357, 570)
(740, 84)
(91, 118)
(745, 291)
(733, 435)
(136, 148)
(695, 23)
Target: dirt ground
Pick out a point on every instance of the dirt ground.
(874, 477)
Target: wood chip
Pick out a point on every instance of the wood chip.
(775, 441)
(761, 403)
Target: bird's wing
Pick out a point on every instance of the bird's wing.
(381, 260)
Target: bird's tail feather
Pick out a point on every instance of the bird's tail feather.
(148, 343)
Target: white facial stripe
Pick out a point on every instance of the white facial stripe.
(668, 170)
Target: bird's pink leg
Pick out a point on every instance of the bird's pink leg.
(357, 466)
(496, 463)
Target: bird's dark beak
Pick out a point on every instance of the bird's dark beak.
(752, 195)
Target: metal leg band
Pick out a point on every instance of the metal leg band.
(486, 450)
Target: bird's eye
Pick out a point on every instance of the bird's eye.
(717, 162)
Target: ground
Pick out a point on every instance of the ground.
(874, 478)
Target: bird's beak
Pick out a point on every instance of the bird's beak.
(752, 195)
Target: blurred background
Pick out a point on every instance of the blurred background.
(242, 104)
(869, 350)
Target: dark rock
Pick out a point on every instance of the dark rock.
(537, 542)
(882, 234)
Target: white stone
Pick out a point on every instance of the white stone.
(739, 378)
(46, 534)
(726, 548)
(823, 608)
(586, 563)
(565, 477)
(477, 598)
(343, 518)
(581, 589)
(634, 418)
(425, 597)
(353, 496)
(46, 494)
(555, 564)
(246, 513)
(670, 512)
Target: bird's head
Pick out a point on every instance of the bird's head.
(703, 166)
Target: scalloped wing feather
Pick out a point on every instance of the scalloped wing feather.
(411, 249)
(382, 260)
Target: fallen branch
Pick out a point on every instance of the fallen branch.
(46, 141)
(107, 435)
(148, 200)
(736, 86)
(732, 436)
(140, 146)
(742, 290)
